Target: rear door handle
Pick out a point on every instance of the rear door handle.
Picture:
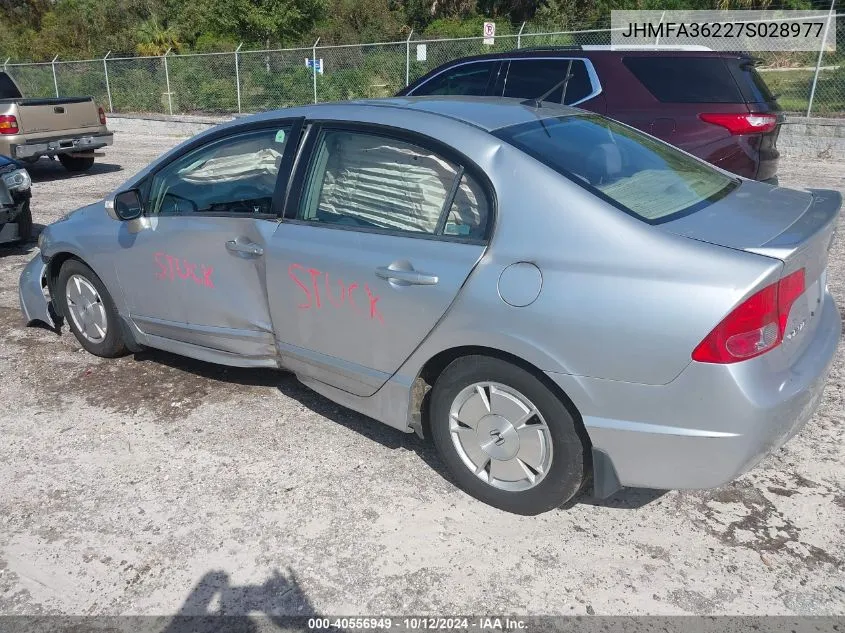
(248, 248)
(409, 277)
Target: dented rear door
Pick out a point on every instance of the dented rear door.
(382, 235)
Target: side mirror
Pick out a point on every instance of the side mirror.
(127, 205)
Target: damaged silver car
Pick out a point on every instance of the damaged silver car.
(555, 297)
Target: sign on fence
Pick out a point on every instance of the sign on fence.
(422, 52)
(489, 33)
(309, 63)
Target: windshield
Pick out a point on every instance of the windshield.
(636, 173)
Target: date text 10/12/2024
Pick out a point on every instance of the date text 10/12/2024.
(482, 623)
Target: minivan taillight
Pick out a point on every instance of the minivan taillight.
(755, 326)
(102, 114)
(736, 124)
(8, 124)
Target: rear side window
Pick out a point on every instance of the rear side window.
(8, 90)
(751, 84)
(686, 79)
(468, 79)
(642, 176)
(369, 181)
(532, 78)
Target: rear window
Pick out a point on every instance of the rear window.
(686, 79)
(635, 172)
(8, 90)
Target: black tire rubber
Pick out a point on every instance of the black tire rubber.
(112, 345)
(76, 164)
(568, 470)
(24, 222)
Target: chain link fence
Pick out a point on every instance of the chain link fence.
(810, 83)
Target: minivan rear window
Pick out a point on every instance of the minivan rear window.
(638, 174)
(686, 79)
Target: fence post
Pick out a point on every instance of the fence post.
(5, 64)
(167, 80)
(55, 81)
(408, 58)
(238, 76)
(519, 36)
(314, 66)
(657, 38)
(108, 87)
(819, 60)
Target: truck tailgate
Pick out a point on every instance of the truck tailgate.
(57, 117)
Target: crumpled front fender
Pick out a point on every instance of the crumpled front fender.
(34, 303)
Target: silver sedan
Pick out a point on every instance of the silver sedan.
(554, 297)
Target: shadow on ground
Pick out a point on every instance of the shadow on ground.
(48, 170)
(288, 385)
(215, 604)
(22, 248)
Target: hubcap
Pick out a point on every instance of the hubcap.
(86, 308)
(500, 436)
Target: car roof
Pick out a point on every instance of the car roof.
(486, 113)
(591, 52)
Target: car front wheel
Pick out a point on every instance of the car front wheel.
(507, 439)
(89, 310)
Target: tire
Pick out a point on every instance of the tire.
(24, 222)
(106, 341)
(76, 164)
(512, 392)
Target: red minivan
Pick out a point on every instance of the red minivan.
(711, 104)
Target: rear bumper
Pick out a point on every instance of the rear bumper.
(61, 145)
(712, 423)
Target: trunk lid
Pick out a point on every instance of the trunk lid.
(55, 116)
(796, 227)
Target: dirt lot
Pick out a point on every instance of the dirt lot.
(152, 484)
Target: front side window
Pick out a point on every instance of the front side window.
(467, 79)
(234, 175)
(370, 181)
(532, 78)
(635, 172)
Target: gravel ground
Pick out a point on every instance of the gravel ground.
(156, 485)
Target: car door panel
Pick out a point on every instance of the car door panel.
(192, 268)
(182, 282)
(380, 235)
(338, 319)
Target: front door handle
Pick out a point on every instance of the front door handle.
(247, 248)
(406, 277)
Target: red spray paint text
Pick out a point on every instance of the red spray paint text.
(342, 297)
(170, 269)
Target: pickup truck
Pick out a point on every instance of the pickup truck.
(70, 129)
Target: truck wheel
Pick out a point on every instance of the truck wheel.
(89, 310)
(76, 163)
(24, 222)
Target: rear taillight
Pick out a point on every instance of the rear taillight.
(8, 124)
(102, 114)
(742, 123)
(755, 326)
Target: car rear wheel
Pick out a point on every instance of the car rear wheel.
(507, 439)
(89, 310)
(76, 163)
